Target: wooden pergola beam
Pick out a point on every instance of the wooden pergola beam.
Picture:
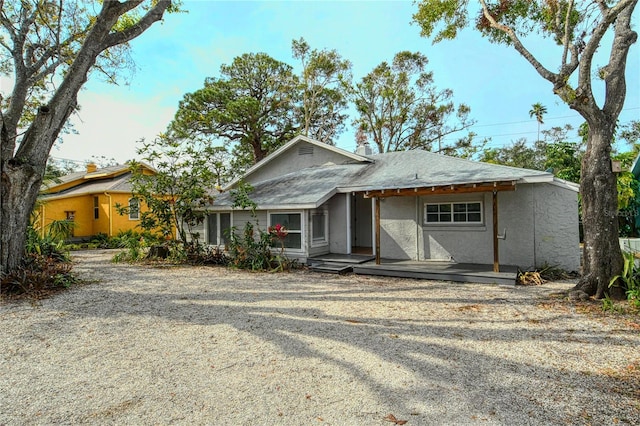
(442, 190)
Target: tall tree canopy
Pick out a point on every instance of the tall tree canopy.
(250, 107)
(401, 109)
(578, 29)
(48, 48)
(554, 152)
(325, 76)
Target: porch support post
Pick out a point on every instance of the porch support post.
(496, 259)
(377, 230)
(348, 216)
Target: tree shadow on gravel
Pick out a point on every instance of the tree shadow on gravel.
(473, 356)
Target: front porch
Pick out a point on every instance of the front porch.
(426, 270)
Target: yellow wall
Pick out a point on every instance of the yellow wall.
(109, 221)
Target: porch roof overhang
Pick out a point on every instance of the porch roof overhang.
(464, 188)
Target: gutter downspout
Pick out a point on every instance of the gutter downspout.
(110, 215)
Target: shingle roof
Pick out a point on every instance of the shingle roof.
(418, 168)
(306, 188)
(310, 187)
(84, 175)
(120, 183)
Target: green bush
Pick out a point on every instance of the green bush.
(247, 252)
(46, 267)
(630, 279)
(199, 254)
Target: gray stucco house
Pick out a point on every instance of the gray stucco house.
(413, 205)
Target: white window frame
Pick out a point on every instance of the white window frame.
(325, 239)
(219, 235)
(452, 213)
(301, 231)
(134, 214)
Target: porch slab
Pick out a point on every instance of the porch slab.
(439, 271)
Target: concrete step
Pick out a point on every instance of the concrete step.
(331, 267)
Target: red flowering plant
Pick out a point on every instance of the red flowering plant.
(279, 232)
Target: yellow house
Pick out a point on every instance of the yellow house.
(89, 198)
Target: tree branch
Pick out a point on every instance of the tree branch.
(566, 37)
(152, 16)
(616, 81)
(517, 44)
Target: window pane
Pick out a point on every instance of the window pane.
(317, 225)
(225, 226)
(460, 217)
(96, 208)
(473, 207)
(445, 217)
(474, 217)
(433, 218)
(445, 208)
(293, 241)
(432, 208)
(212, 228)
(458, 208)
(291, 221)
(134, 208)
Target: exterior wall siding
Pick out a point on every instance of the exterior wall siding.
(338, 223)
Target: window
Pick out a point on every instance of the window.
(96, 207)
(70, 216)
(319, 228)
(293, 223)
(218, 225)
(134, 209)
(453, 212)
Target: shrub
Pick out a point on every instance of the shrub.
(198, 254)
(46, 246)
(247, 252)
(46, 265)
(630, 279)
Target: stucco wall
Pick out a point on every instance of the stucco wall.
(465, 243)
(516, 219)
(294, 159)
(539, 223)
(557, 236)
(398, 228)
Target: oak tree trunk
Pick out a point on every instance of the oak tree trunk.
(602, 256)
(20, 187)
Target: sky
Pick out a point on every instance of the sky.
(174, 58)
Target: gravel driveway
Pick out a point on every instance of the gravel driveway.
(207, 345)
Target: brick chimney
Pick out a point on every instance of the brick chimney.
(91, 167)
